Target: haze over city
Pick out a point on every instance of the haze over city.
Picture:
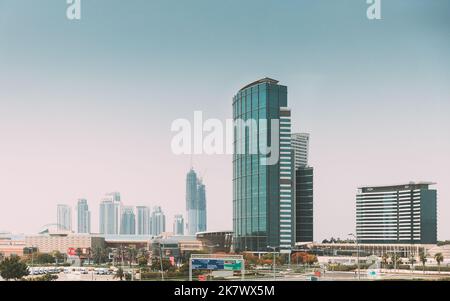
(373, 96)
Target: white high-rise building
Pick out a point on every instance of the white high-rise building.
(300, 145)
(286, 213)
(143, 220)
(83, 217)
(110, 214)
(64, 217)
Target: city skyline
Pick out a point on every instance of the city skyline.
(374, 97)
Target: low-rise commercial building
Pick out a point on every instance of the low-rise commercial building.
(216, 241)
(10, 246)
(63, 242)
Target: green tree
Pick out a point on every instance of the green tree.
(120, 274)
(44, 258)
(142, 261)
(13, 268)
(79, 252)
(385, 259)
(100, 255)
(439, 258)
(423, 259)
(59, 257)
(412, 260)
(132, 255)
(156, 264)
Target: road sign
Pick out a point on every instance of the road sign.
(232, 265)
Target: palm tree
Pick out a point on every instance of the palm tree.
(385, 259)
(132, 255)
(423, 259)
(439, 258)
(412, 260)
(120, 274)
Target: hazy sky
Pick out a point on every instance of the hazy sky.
(86, 106)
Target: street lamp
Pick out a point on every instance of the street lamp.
(161, 260)
(273, 263)
(357, 252)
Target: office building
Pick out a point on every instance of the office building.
(109, 221)
(143, 220)
(304, 196)
(127, 221)
(83, 217)
(397, 214)
(263, 205)
(304, 188)
(201, 199)
(300, 145)
(195, 204)
(64, 217)
(158, 221)
(178, 225)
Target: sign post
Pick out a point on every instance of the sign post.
(217, 263)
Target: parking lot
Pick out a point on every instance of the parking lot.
(74, 274)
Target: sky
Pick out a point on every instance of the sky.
(86, 106)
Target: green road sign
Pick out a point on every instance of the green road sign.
(232, 265)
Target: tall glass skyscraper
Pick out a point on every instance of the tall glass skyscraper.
(127, 221)
(201, 199)
(158, 221)
(304, 189)
(143, 220)
(83, 217)
(262, 191)
(195, 204)
(64, 218)
(109, 214)
(304, 204)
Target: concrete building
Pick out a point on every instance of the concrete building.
(64, 217)
(216, 241)
(11, 245)
(300, 145)
(397, 214)
(63, 242)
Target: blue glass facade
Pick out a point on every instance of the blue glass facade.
(257, 221)
(195, 204)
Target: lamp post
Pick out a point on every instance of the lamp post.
(273, 263)
(161, 260)
(357, 252)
